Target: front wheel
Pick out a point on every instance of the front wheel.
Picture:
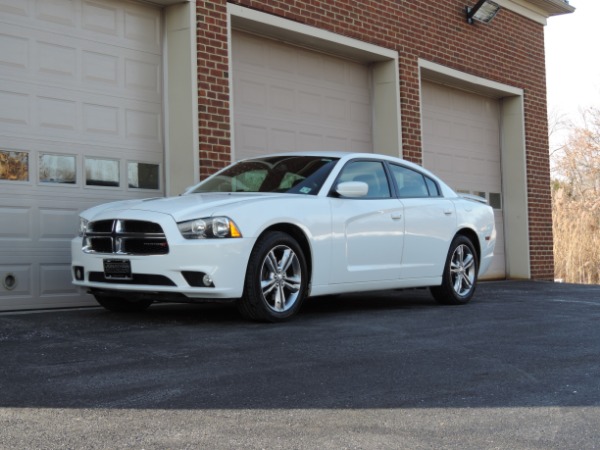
(276, 279)
(121, 304)
(460, 274)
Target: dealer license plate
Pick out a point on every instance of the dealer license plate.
(117, 269)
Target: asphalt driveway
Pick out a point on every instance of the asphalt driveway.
(519, 367)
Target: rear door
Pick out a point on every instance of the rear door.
(429, 223)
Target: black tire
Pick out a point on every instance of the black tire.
(121, 304)
(276, 279)
(459, 279)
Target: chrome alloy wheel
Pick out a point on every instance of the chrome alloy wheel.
(281, 278)
(463, 270)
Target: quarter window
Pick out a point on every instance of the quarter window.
(432, 186)
(411, 184)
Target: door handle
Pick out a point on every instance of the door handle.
(448, 212)
(396, 216)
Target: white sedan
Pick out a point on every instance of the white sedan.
(269, 232)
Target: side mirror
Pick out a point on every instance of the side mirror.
(352, 189)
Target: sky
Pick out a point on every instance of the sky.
(573, 61)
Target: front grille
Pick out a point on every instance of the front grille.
(125, 237)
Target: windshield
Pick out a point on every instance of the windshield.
(290, 174)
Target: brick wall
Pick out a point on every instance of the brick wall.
(509, 50)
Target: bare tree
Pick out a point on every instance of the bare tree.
(576, 202)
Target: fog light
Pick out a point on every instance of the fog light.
(197, 279)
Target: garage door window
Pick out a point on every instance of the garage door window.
(101, 172)
(496, 200)
(57, 169)
(143, 175)
(14, 166)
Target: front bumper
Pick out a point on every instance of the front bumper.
(223, 260)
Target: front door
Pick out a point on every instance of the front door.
(368, 231)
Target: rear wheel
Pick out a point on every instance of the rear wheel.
(121, 304)
(276, 279)
(460, 274)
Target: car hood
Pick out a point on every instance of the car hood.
(185, 207)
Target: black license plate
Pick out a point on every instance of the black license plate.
(119, 269)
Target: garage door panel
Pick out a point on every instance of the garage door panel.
(143, 124)
(56, 59)
(142, 26)
(22, 273)
(282, 63)
(80, 97)
(15, 223)
(52, 112)
(101, 119)
(287, 98)
(142, 74)
(61, 13)
(310, 141)
(56, 115)
(333, 68)
(57, 224)
(55, 279)
(16, 7)
(99, 69)
(309, 103)
(360, 112)
(16, 110)
(16, 56)
(335, 109)
(361, 146)
(253, 138)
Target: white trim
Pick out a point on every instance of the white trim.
(445, 75)
(525, 9)
(536, 10)
(269, 25)
(164, 2)
(181, 98)
(230, 79)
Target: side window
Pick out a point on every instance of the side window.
(411, 184)
(370, 172)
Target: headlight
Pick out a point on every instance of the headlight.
(83, 223)
(210, 227)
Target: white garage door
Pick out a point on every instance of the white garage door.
(461, 142)
(80, 124)
(287, 98)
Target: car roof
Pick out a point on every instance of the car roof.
(346, 156)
